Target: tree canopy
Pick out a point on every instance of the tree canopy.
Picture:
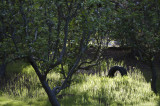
(53, 34)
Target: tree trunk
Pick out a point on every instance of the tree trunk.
(3, 66)
(154, 77)
(51, 95)
(2, 69)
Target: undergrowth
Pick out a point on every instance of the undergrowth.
(95, 90)
(87, 89)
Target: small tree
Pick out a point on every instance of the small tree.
(50, 34)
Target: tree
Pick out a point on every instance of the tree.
(49, 34)
(139, 26)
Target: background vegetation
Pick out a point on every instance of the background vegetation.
(47, 46)
(87, 89)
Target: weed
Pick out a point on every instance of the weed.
(87, 89)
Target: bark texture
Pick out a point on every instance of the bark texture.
(51, 94)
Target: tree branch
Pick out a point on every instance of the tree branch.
(34, 65)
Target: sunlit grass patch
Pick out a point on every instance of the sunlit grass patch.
(109, 91)
(86, 89)
(6, 101)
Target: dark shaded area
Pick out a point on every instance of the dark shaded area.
(3, 64)
(154, 77)
(113, 70)
(2, 69)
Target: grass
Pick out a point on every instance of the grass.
(112, 91)
(6, 100)
(17, 67)
(24, 88)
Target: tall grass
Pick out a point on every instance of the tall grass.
(103, 90)
(94, 89)
(98, 89)
(18, 66)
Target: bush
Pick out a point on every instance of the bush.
(19, 67)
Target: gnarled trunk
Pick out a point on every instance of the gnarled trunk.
(51, 94)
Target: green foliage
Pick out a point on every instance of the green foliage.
(5, 101)
(90, 90)
(26, 85)
(137, 25)
(98, 89)
(19, 67)
(53, 30)
(95, 90)
(85, 90)
(10, 101)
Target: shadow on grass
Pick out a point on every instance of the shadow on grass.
(8, 101)
(82, 99)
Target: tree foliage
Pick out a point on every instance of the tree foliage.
(137, 26)
(53, 34)
(50, 34)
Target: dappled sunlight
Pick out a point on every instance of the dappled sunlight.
(130, 89)
(118, 90)
(86, 89)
